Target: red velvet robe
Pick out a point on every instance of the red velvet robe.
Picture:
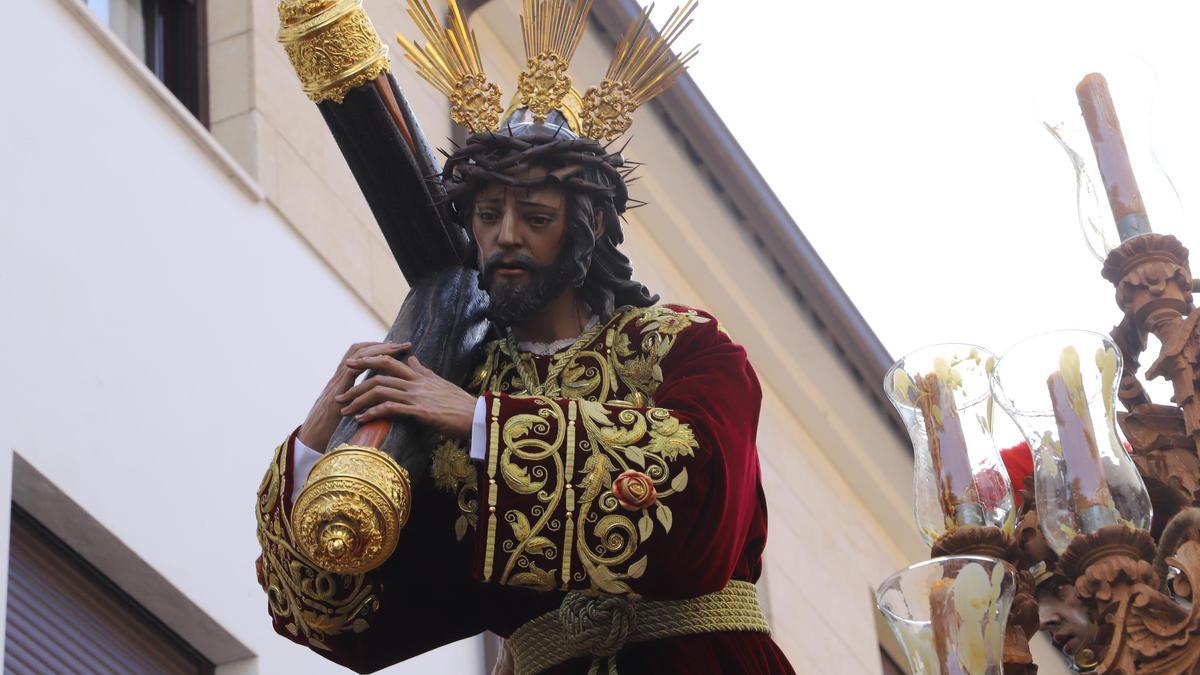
(658, 395)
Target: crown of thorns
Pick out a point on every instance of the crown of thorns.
(500, 158)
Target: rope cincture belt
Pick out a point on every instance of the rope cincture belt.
(600, 626)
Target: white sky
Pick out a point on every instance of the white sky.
(904, 140)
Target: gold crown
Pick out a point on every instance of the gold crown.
(643, 66)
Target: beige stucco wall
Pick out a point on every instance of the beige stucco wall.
(260, 115)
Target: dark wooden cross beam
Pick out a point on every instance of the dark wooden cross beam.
(443, 314)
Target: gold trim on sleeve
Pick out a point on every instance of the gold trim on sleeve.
(332, 46)
(309, 603)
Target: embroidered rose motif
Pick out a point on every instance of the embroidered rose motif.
(634, 490)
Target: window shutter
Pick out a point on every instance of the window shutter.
(66, 617)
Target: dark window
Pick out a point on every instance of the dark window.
(66, 617)
(169, 37)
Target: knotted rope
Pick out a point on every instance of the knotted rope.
(597, 625)
(600, 626)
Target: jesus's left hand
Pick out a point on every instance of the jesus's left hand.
(410, 389)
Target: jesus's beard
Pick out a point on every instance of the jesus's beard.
(514, 301)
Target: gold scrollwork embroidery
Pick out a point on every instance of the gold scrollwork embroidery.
(452, 472)
(531, 464)
(609, 377)
(309, 602)
(603, 364)
(640, 369)
(626, 439)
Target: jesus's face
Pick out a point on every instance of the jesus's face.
(522, 237)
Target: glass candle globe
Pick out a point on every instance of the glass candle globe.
(950, 614)
(959, 480)
(1138, 196)
(1061, 389)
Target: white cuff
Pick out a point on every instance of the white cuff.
(303, 459)
(479, 430)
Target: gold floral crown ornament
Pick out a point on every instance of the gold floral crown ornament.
(552, 30)
(332, 46)
(643, 66)
(450, 61)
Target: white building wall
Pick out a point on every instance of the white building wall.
(160, 322)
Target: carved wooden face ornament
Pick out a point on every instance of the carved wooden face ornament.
(1065, 618)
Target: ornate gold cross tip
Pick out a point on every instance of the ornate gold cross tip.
(332, 46)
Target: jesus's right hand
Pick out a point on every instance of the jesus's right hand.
(323, 419)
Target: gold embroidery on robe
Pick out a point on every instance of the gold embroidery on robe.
(452, 472)
(611, 373)
(309, 602)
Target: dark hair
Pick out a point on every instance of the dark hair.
(602, 273)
